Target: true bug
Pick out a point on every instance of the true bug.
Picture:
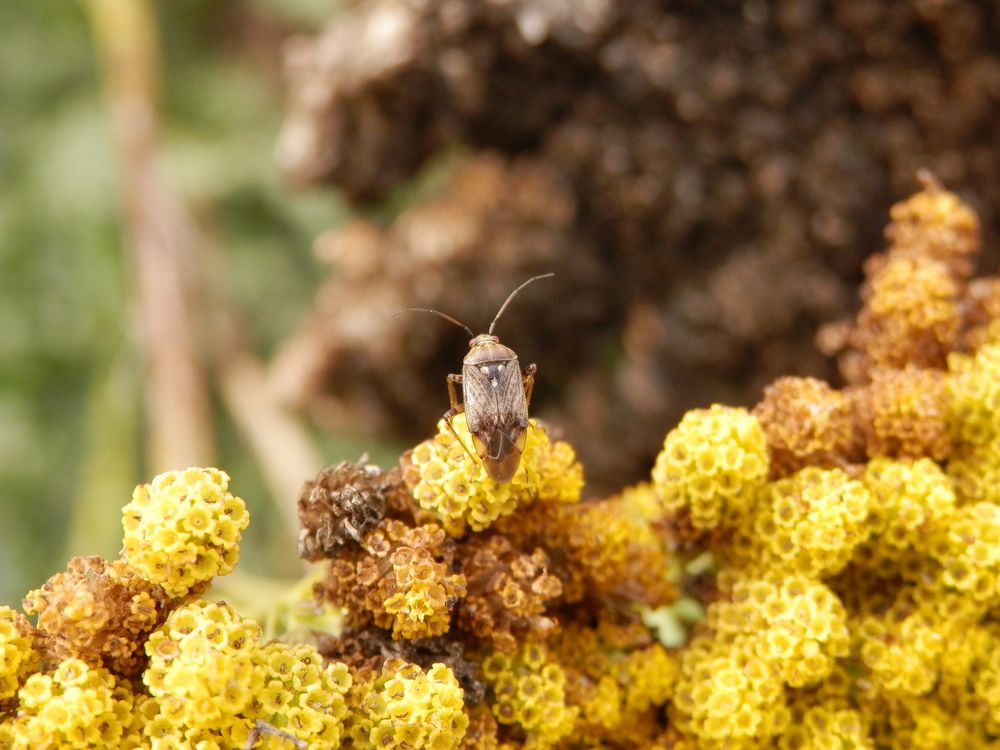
(495, 396)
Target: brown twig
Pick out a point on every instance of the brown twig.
(161, 239)
(173, 265)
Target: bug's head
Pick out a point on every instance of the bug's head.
(483, 338)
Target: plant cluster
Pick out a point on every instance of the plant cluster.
(857, 588)
(844, 543)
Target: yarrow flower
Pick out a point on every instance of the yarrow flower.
(76, 706)
(403, 706)
(711, 465)
(529, 689)
(448, 480)
(183, 529)
(17, 657)
(210, 676)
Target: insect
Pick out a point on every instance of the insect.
(495, 396)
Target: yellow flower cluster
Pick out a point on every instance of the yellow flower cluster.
(967, 549)
(211, 679)
(727, 694)
(301, 696)
(17, 657)
(711, 465)
(889, 541)
(808, 523)
(183, 528)
(529, 690)
(201, 668)
(448, 480)
(768, 633)
(826, 725)
(135, 666)
(974, 388)
(76, 706)
(620, 692)
(889, 686)
(975, 470)
(902, 649)
(844, 546)
(404, 707)
(909, 499)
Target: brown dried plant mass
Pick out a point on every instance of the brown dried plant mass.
(903, 413)
(807, 423)
(395, 560)
(597, 550)
(99, 612)
(507, 593)
(681, 168)
(341, 505)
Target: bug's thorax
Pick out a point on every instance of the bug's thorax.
(486, 349)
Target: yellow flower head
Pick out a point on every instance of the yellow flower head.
(74, 707)
(811, 522)
(967, 548)
(975, 470)
(201, 664)
(974, 390)
(827, 725)
(211, 678)
(17, 659)
(909, 499)
(711, 465)
(447, 478)
(727, 694)
(302, 696)
(529, 689)
(402, 706)
(183, 528)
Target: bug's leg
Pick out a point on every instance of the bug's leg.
(262, 728)
(450, 415)
(452, 381)
(456, 408)
(529, 382)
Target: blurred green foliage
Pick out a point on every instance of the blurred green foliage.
(70, 372)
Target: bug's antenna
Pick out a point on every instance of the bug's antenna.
(440, 315)
(504, 305)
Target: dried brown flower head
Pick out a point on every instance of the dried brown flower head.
(341, 505)
(99, 612)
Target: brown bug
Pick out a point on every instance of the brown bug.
(495, 396)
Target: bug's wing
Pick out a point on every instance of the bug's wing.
(506, 442)
(501, 452)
